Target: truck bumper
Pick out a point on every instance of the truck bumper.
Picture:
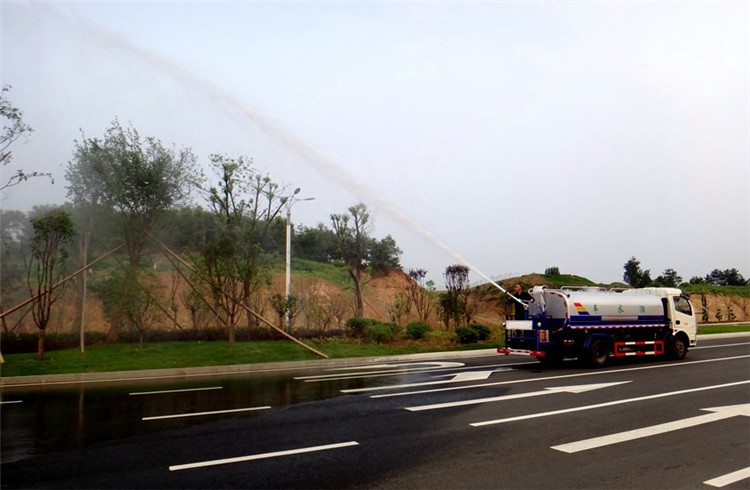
(520, 352)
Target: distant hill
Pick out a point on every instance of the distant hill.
(325, 289)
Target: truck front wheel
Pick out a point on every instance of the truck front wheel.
(678, 349)
(597, 353)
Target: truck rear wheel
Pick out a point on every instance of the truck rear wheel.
(597, 353)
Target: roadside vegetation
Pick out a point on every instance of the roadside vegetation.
(133, 261)
(171, 354)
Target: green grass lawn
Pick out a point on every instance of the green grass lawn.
(165, 355)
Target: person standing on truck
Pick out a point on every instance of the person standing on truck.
(524, 296)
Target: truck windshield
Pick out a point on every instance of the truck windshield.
(682, 305)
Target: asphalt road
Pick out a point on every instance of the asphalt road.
(483, 422)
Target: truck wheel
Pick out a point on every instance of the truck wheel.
(678, 349)
(598, 353)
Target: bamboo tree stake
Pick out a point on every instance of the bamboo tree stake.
(249, 310)
(60, 282)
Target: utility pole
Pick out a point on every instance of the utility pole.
(289, 201)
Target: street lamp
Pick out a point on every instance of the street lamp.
(289, 201)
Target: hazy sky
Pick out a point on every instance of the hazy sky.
(523, 135)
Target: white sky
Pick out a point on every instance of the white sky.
(524, 135)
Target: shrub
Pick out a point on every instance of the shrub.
(16, 343)
(357, 326)
(381, 333)
(483, 331)
(466, 335)
(417, 330)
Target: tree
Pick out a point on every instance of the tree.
(319, 244)
(669, 278)
(352, 231)
(384, 254)
(419, 293)
(129, 296)
(13, 129)
(47, 266)
(140, 179)
(634, 276)
(245, 205)
(456, 297)
(727, 277)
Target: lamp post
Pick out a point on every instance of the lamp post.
(289, 201)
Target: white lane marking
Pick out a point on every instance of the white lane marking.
(729, 478)
(546, 391)
(10, 401)
(457, 378)
(717, 413)
(474, 375)
(185, 390)
(253, 457)
(606, 404)
(717, 346)
(198, 414)
(415, 367)
(533, 380)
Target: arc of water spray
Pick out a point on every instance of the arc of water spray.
(324, 165)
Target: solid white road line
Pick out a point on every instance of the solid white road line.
(185, 390)
(729, 478)
(534, 380)
(10, 401)
(197, 414)
(717, 413)
(388, 369)
(253, 457)
(718, 346)
(546, 391)
(606, 404)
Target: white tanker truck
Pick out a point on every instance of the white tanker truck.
(594, 323)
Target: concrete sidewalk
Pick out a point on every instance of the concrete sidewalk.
(207, 371)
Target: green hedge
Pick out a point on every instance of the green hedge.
(417, 330)
(473, 333)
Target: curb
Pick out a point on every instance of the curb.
(207, 371)
(271, 367)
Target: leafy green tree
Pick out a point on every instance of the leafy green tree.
(139, 178)
(384, 254)
(47, 266)
(669, 278)
(129, 297)
(634, 276)
(245, 205)
(13, 129)
(727, 277)
(319, 244)
(455, 299)
(353, 233)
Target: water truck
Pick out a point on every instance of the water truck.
(592, 324)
